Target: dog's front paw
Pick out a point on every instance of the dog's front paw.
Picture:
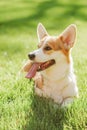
(38, 91)
(58, 99)
(66, 102)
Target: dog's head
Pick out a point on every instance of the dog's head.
(52, 49)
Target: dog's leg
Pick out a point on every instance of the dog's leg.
(38, 91)
(39, 86)
(67, 101)
(38, 81)
(58, 99)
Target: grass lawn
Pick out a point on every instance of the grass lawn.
(20, 109)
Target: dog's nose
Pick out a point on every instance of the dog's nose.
(31, 56)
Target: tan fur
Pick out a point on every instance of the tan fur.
(38, 80)
(27, 66)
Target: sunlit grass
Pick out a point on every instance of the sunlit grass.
(20, 109)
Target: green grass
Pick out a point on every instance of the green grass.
(20, 109)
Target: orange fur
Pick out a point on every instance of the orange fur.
(38, 80)
(27, 66)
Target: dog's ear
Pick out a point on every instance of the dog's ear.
(68, 36)
(41, 31)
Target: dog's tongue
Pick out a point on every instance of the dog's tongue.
(32, 71)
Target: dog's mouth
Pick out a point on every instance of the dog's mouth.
(45, 65)
(39, 67)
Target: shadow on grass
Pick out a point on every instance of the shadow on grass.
(71, 10)
(45, 115)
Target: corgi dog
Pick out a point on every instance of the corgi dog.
(51, 66)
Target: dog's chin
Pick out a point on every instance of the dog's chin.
(45, 65)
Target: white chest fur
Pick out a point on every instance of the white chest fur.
(59, 83)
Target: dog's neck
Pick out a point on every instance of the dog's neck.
(58, 71)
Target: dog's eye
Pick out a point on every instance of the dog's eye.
(47, 48)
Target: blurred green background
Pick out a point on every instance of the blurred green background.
(19, 19)
(19, 109)
(23, 15)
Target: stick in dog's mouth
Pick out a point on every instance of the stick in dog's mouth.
(39, 67)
